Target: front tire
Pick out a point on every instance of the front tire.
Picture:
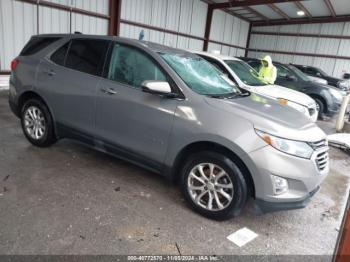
(214, 185)
(321, 108)
(37, 124)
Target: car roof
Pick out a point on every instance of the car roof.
(152, 46)
(217, 56)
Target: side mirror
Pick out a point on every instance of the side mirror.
(157, 88)
(291, 78)
(346, 76)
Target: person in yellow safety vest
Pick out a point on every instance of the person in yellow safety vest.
(268, 72)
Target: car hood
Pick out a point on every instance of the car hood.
(331, 78)
(318, 80)
(269, 116)
(277, 91)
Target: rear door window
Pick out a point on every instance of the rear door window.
(87, 55)
(310, 71)
(131, 66)
(37, 44)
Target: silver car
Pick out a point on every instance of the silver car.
(172, 112)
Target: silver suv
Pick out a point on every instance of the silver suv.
(172, 112)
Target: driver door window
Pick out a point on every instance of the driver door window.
(282, 72)
(130, 66)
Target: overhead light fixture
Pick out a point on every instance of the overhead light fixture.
(300, 13)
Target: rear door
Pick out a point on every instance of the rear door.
(68, 78)
(128, 120)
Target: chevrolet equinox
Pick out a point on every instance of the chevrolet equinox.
(172, 112)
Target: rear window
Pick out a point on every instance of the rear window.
(87, 55)
(37, 44)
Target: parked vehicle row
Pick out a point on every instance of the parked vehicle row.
(174, 113)
(247, 78)
(341, 84)
(327, 98)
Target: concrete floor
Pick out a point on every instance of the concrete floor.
(69, 199)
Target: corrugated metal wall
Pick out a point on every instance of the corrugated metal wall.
(18, 22)
(312, 45)
(231, 30)
(185, 16)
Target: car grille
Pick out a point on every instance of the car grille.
(318, 144)
(322, 157)
(322, 160)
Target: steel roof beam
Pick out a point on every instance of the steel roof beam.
(303, 8)
(279, 11)
(330, 8)
(238, 3)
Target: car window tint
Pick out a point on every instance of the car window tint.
(59, 56)
(131, 66)
(310, 71)
(255, 65)
(36, 44)
(281, 71)
(87, 55)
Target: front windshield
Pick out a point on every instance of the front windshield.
(322, 72)
(200, 75)
(245, 72)
(299, 73)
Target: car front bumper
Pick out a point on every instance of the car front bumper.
(304, 177)
(263, 206)
(333, 109)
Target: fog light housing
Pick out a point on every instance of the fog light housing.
(280, 185)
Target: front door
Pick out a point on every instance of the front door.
(287, 78)
(128, 119)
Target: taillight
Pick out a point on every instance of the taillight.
(14, 64)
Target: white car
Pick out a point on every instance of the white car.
(246, 78)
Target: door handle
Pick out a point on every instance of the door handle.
(109, 91)
(50, 72)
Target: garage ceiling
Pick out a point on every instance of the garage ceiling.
(273, 12)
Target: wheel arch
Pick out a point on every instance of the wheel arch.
(25, 96)
(214, 147)
(319, 97)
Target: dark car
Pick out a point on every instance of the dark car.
(327, 98)
(317, 72)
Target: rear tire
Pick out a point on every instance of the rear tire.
(213, 185)
(37, 124)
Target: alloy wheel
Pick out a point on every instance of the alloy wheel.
(34, 122)
(210, 187)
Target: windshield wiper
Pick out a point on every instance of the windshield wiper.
(217, 96)
(229, 95)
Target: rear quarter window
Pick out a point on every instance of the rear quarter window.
(37, 44)
(59, 57)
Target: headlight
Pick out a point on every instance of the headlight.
(291, 147)
(294, 105)
(344, 85)
(338, 96)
